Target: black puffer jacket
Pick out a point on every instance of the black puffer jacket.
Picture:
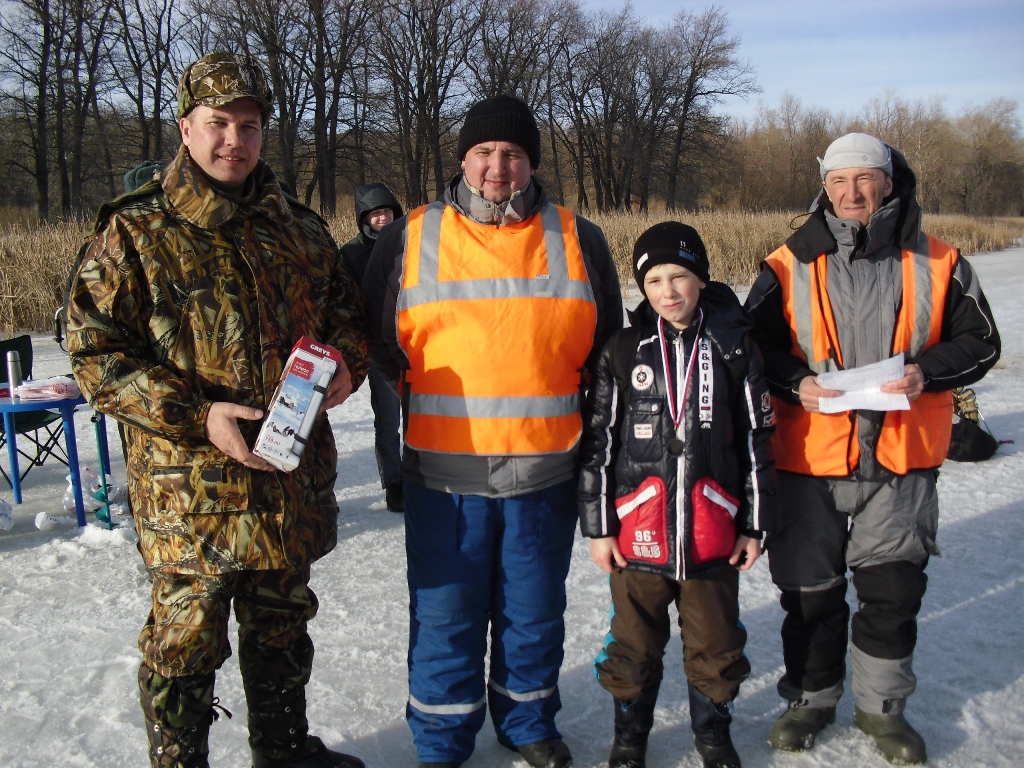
(356, 252)
(628, 429)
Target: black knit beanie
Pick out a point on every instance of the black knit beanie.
(670, 243)
(501, 118)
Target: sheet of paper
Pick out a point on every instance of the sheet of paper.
(861, 388)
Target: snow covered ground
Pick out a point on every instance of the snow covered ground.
(72, 602)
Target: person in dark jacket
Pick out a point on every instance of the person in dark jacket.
(675, 489)
(376, 207)
(859, 283)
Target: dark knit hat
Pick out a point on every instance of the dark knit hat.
(670, 243)
(501, 118)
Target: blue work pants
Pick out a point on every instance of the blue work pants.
(476, 561)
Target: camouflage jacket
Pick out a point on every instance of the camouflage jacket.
(184, 298)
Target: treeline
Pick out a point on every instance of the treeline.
(971, 163)
(631, 114)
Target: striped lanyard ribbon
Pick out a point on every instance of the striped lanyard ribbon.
(677, 397)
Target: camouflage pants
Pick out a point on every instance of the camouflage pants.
(187, 630)
(185, 641)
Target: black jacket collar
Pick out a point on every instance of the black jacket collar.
(725, 322)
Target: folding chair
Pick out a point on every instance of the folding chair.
(39, 432)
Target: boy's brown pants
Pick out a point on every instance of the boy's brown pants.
(713, 638)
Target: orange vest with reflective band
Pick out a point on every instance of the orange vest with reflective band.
(826, 444)
(497, 323)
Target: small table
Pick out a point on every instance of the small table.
(66, 406)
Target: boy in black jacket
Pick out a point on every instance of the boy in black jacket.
(676, 487)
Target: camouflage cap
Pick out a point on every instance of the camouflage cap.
(220, 78)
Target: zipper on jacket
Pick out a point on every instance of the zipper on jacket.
(895, 327)
(680, 518)
(681, 460)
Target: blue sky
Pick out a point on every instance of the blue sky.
(838, 54)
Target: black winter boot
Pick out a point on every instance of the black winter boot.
(178, 713)
(275, 680)
(550, 753)
(633, 722)
(710, 723)
(313, 755)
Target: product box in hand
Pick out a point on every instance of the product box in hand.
(302, 388)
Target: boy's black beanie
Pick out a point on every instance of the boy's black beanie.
(501, 118)
(670, 243)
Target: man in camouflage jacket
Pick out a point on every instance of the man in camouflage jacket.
(182, 314)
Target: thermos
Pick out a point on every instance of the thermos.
(13, 371)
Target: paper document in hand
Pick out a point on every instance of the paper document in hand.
(862, 388)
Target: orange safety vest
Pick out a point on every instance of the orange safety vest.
(826, 444)
(497, 323)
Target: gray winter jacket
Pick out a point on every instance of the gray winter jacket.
(865, 284)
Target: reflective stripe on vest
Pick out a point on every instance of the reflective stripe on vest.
(827, 444)
(497, 324)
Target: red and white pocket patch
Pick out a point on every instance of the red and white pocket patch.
(714, 522)
(643, 535)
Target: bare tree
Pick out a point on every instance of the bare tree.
(708, 57)
(520, 43)
(421, 49)
(568, 93)
(80, 51)
(27, 33)
(149, 32)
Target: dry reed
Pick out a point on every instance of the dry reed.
(35, 262)
(36, 259)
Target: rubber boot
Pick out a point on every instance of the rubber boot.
(633, 722)
(796, 730)
(550, 753)
(178, 713)
(710, 723)
(275, 680)
(894, 736)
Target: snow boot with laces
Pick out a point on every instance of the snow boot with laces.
(710, 723)
(633, 722)
(275, 680)
(178, 713)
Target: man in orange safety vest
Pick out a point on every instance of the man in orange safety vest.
(486, 310)
(857, 283)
